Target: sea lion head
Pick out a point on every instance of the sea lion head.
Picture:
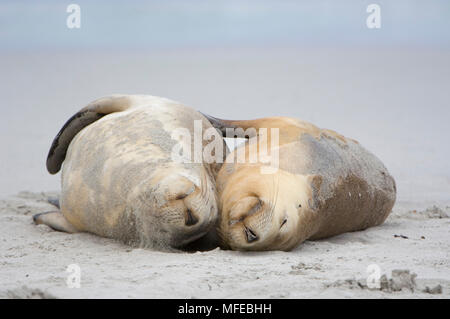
(265, 211)
(176, 207)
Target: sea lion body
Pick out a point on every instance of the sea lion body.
(325, 184)
(119, 179)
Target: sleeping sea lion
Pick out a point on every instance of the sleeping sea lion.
(324, 184)
(119, 178)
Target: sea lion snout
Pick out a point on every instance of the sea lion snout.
(250, 235)
(186, 203)
(266, 212)
(191, 218)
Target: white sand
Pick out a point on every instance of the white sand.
(33, 261)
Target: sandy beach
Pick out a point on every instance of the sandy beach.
(34, 260)
(396, 105)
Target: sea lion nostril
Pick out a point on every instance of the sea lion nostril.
(250, 235)
(191, 219)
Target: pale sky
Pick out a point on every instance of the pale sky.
(223, 23)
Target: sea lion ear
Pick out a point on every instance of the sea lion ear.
(86, 116)
(315, 182)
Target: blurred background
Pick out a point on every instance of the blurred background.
(317, 60)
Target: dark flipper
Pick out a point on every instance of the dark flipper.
(61, 142)
(219, 124)
(244, 128)
(91, 113)
(54, 201)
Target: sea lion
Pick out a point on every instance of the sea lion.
(119, 178)
(325, 184)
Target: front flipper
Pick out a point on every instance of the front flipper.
(54, 220)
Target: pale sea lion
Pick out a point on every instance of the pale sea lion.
(326, 184)
(119, 179)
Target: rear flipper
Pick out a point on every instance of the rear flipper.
(54, 220)
(54, 201)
